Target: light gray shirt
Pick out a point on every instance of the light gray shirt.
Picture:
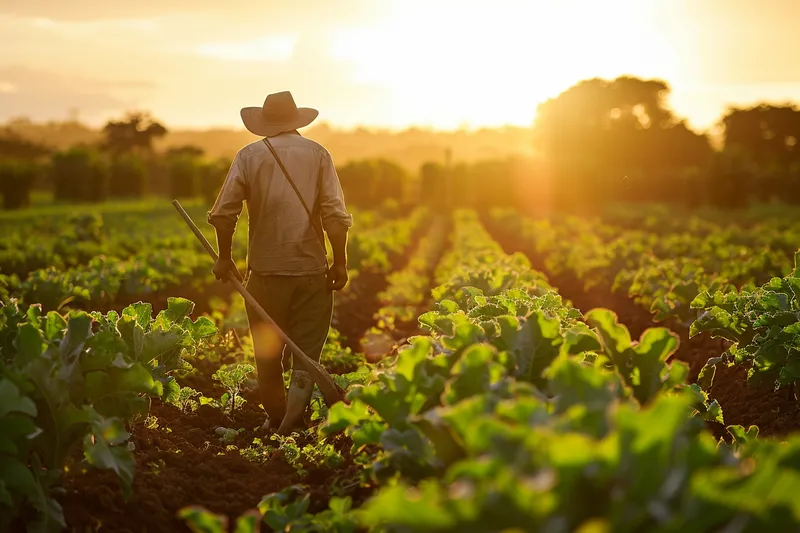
(282, 240)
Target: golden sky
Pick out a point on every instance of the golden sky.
(395, 63)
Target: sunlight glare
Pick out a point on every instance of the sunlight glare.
(498, 59)
(271, 48)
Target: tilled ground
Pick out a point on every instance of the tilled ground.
(774, 412)
(182, 462)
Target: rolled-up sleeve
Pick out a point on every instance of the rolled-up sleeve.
(228, 206)
(332, 207)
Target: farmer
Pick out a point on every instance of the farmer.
(288, 271)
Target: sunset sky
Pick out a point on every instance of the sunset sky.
(395, 63)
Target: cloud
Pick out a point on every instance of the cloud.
(270, 48)
(265, 11)
(44, 95)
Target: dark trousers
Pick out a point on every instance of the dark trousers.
(302, 306)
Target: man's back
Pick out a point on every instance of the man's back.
(282, 240)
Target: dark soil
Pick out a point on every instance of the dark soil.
(182, 462)
(775, 413)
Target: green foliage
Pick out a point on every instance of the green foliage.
(368, 182)
(516, 412)
(80, 174)
(201, 520)
(228, 435)
(184, 174)
(127, 176)
(71, 382)
(17, 178)
(184, 399)
(690, 273)
(762, 325)
(232, 378)
(317, 454)
(286, 510)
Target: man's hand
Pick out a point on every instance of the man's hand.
(337, 277)
(223, 266)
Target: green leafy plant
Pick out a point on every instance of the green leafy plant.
(184, 399)
(316, 454)
(762, 325)
(228, 435)
(232, 378)
(72, 382)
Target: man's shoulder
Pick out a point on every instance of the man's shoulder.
(310, 144)
(296, 141)
(252, 148)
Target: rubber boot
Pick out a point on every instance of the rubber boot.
(300, 390)
(275, 415)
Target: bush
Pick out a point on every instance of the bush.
(16, 180)
(369, 182)
(80, 174)
(128, 175)
(183, 175)
(211, 177)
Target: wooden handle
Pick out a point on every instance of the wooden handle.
(331, 393)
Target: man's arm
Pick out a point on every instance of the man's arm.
(338, 273)
(224, 216)
(335, 219)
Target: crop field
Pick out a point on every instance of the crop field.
(631, 372)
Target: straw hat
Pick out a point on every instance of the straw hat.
(278, 114)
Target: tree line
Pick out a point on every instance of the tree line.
(123, 165)
(598, 142)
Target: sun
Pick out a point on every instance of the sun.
(453, 63)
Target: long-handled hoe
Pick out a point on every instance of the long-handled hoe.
(331, 392)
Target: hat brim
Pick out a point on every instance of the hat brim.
(254, 121)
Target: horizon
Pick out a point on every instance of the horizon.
(439, 65)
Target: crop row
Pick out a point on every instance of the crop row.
(105, 280)
(65, 238)
(76, 382)
(735, 283)
(516, 411)
(407, 291)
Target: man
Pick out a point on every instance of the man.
(289, 275)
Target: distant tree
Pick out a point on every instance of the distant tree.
(730, 179)
(128, 176)
(766, 132)
(21, 163)
(211, 176)
(17, 177)
(184, 166)
(768, 136)
(80, 174)
(432, 184)
(188, 150)
(597, 132)
(12, 146)
(390, 181)
(370, 182)
(136, 132)
(358, 182)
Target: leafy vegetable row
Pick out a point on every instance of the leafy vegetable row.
(516, 412)
(663, 272)
(73, 383)
(695, 288)
(90, 267)
(406, 292)
(762, 325)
